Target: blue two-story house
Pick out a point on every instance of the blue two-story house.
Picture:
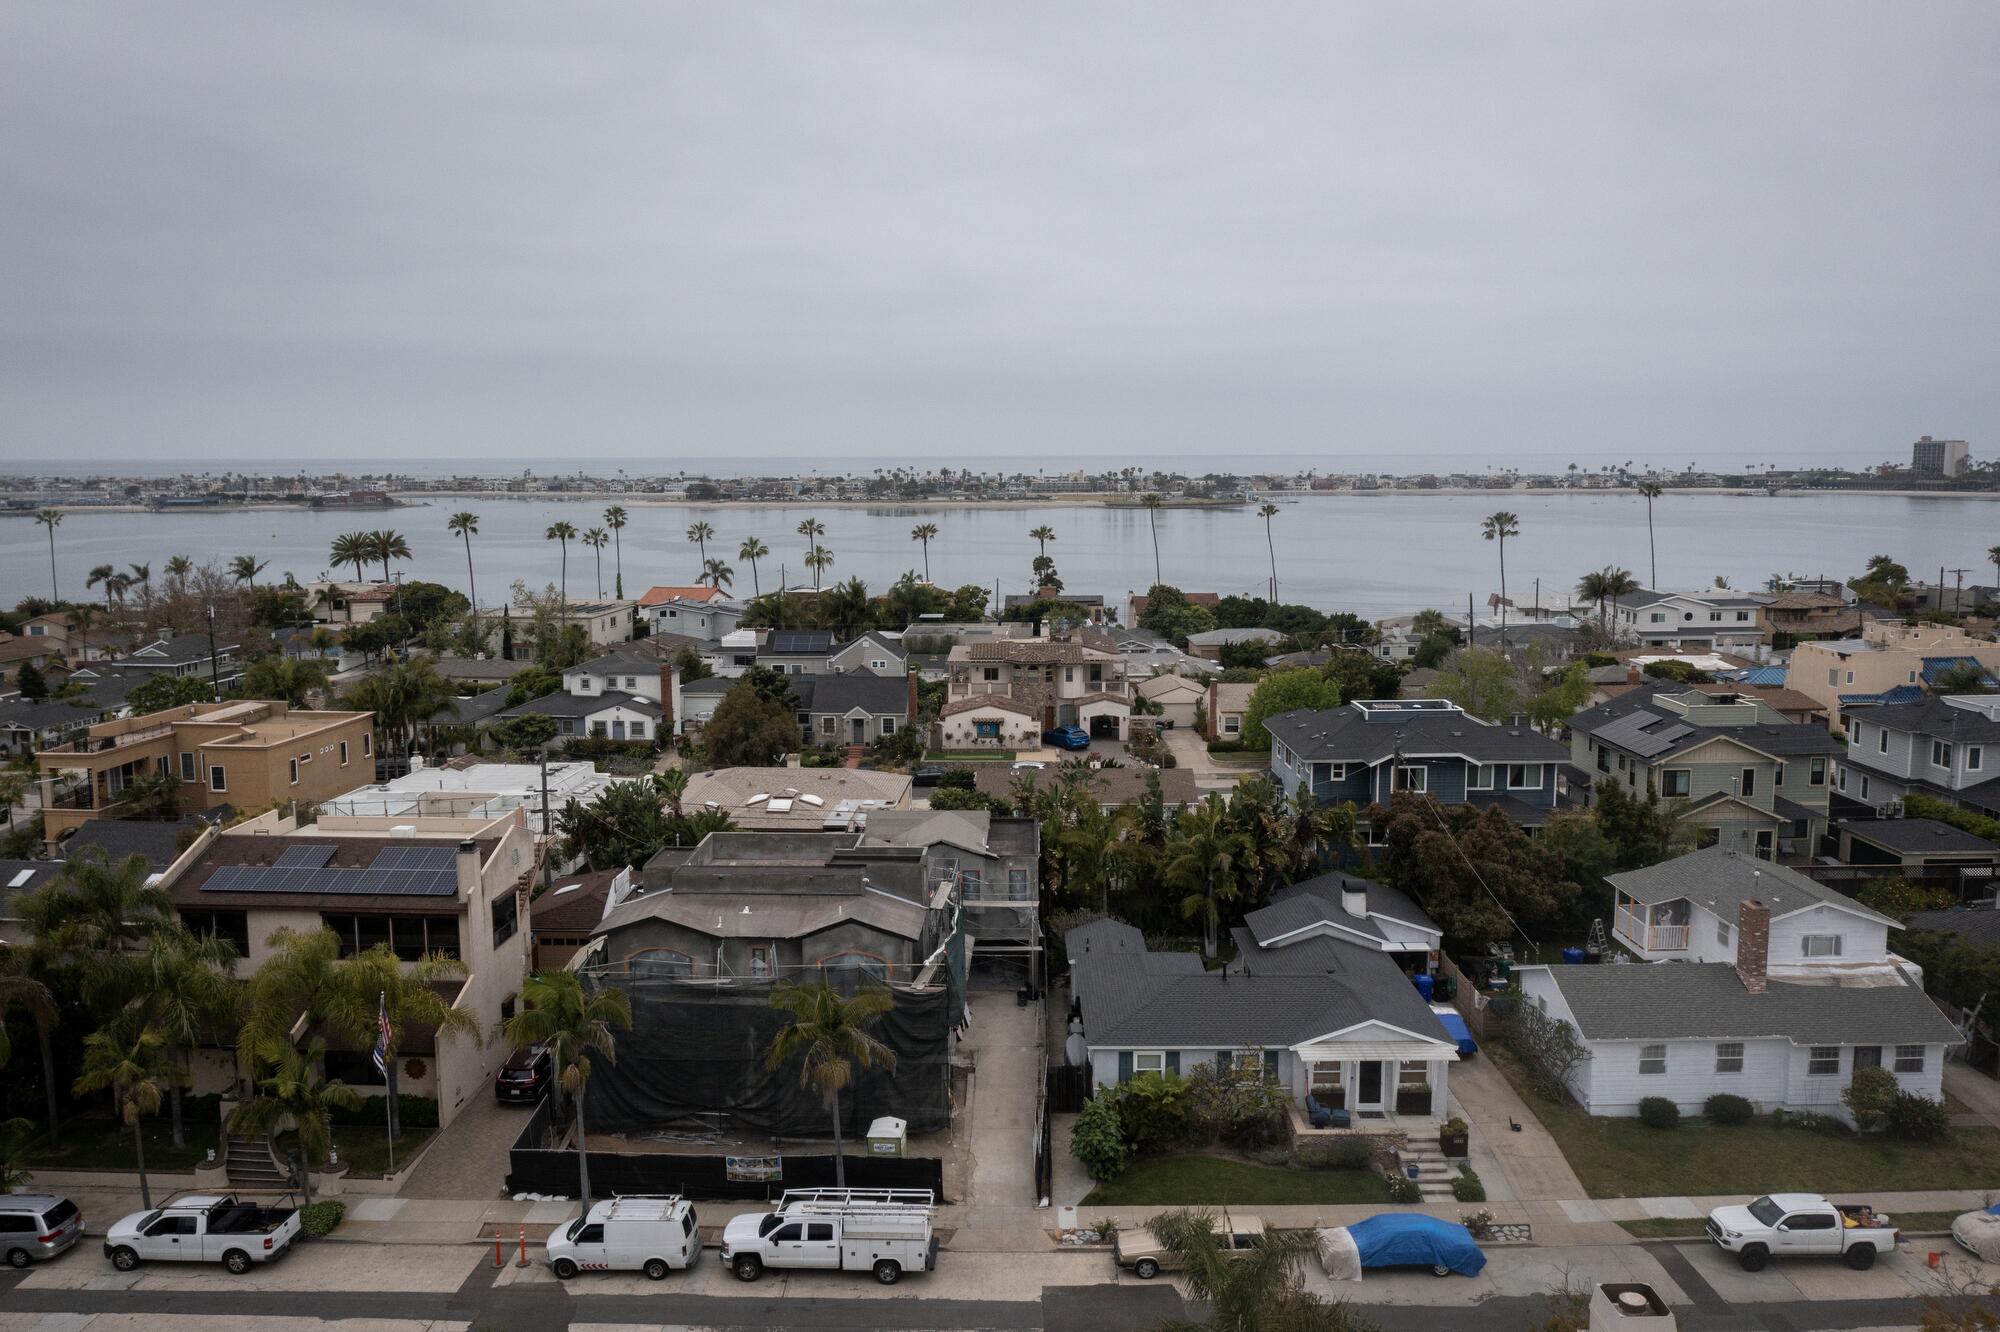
(1373, 748)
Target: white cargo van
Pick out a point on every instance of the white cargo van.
(653, 1234)
(884, 1231)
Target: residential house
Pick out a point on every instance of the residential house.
(18, 650)
(605, 623)
(988, 721)
(1114, 788)
(1358, 911)
(1754, 782)
(1779, 989)
(1936, 746)
(159, 842)
(247, 753)
(853, 709)
(798, 799)
(26, 726)
(1146, 653)
(735, 653)
(343, 603)
(796, 651)
(1324, 1013)
(698, 701)
(1174, 697)
(700, 612)
(1890, 662)
(1209, 643)
(467, 789)
(1797, 617)
(1398, 639)
(608, 716)
(1060, 681)
(1724, 620)
(873, 653)
(298, 645)
(1922, 849)
(1370, 749)
(995, 864)
(1226, 706)
(465, 671)
(1609, 682)
(421, 885)
(636, 669)
(215, 660)
(562, 919)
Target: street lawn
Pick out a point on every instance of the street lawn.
(969, 756)
(1217, 1181)
(364, 1148)
(1674, 1227)
(106, 1144)
(1622, 1158)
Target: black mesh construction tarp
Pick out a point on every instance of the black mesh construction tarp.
(695, 1051)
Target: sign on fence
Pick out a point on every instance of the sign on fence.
(753, 1169)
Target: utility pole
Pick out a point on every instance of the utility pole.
(214, 673)
(548, 846)
(1957, 591)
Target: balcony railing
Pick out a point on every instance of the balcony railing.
(105, 744)
(1642, 933)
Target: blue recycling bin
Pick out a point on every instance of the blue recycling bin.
(1426, 984)
(1573, 957)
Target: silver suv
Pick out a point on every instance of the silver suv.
(37, 1226)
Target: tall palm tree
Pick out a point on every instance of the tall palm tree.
(716, 574)
(404, 697)
(289, 678)
(132, 1066)
(828, 1036)
(818, 561)
(465, 526)
(1042, 536)
(812, 529)
(597, 539)
(22, 989)
(295, 1094)
(558, 1013)
(1604, 586)
(1258, 1289)
(1267, 512)
(108, 576)
(178, 569)
(563, 532)
(1498, 527)
(1202, 858)
(385, 546)
(51, 519)
(1151, 503)
(187, 992)
(245, 568)
(353, 548)
(96, 908)
(753, 550)
(375, 983)
(699, 534)
(142, 574)
(1993, 554)
(1652, 491)
(924, 532)
(615, 518)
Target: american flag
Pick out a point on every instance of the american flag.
(382, 1035)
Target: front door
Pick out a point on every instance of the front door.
(1369, 1095)
(860, 729)
(617, 729)
(1766, 844)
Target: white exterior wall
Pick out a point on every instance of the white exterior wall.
(1861, 940)
(960, 731)
(1537, 986)
(1616, 1086)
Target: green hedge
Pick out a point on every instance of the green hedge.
(1237, 747)
(321, 1218)
(1916, 805)
(411, 1111)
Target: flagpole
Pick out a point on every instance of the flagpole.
(382, 1067)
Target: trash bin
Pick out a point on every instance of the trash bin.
(1573, 957)
(1426, 984)
(888, 1136)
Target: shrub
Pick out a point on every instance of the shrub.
(1811, 1121)
(320, 1218)
(1479, 1223)
(1337, 1154)
(1403, 1189)
(1466, 1186)
(1247, 1110)
(1098, 1139)
(1660, 1113)
(1916, 1118)
(1154, 1109)
(1868, 1097)
(1724, 1108)
(957, 779)
(411, 1111)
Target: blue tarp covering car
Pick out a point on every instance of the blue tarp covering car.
(1399, 1239)
(1455, 1027)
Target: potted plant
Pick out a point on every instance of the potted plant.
(1454, 1138)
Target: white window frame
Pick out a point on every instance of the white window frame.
(1910, 1058)
(1722, 932)
(1819, 1055)
(1524, 768)
(1232, 725)
(1667, 783)
(218, 777)
(1817, 945)
(1816, 771)
(1974, 756)
(1481, 776)
(1941, 754)
(888, 726)
(1728, 1053)
(1148, 1061)
(190, 770)
(1882, 740)
(295, 772)
(343, 753)
(1399, 782)
(367, 744)
(1646, 1056)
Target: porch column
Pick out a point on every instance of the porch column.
(1440, 1089)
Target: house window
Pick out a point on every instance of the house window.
(188, 773)
(1864, 788)
(1722, 932)
(1823, 1061)
(1479, 776)
(343, 753)
(1232, 725)
(599, 730)
(1816, 772)
(1909, 1059)
(878, 665)
(1729, 1057)
(1524, 776)
(1326, 1080)
(1820, 945)
(974, 883)
(218, 780)
(1742, 617)
(888, 726)
(1676, 781)
(1017, 885)
(1657, 617)
(665, 963)
(631, 683)
(367, 745)
(1881, 741)
(295, 772)
(851, 965)
(1412, 777)
(637, 730)
(1940, 755)
(1413, 1075)
(990, 673)
(1833, 677)
(1850, 677)
(506, 918)
(1149, 1061)
(826, 725)
(760, 962)
(1652, 1060)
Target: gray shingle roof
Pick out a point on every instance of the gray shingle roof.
(1638, 724)
(23, 876)
(1980, 925)
(1934, 717)
(582, 705)
(1722, 880)
(1916, 835)
(157, 841)
(873, 694)
(1310, 901)
(1345, 735)
(475, 708)
(1659, 1001)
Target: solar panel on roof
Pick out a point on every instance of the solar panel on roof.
(413, 858)
(314, 856)
(334, 882)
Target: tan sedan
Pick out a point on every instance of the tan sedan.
(1140, 1249)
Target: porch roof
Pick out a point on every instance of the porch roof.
(1328, 1052)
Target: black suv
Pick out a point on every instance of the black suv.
(524, 1078)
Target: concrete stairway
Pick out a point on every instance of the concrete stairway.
(251, 1164)
(1434, 1173)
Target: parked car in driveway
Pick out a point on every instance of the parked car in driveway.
(35, 1226)
(1067, 737)
(524, 1078)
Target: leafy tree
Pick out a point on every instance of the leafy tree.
(751, 551)
(525, 734)
(828, 1037)
(1361, 675)
(924, 532)
(749, 730)
(423, 604)
(1480, 680)
(51, 519)
(169, 691)
(1967, 677)
(295, 1094)
(530, 683)
(771, 685)
(1498, 527)
(1477, 874)
(690, 667)
(1605, 586)
(564, 533)
(352, 548)
(1097, 1140)
(1563, 697)
(1151, 503)
(403, 698)
(1868, 1096)
(574, 1024)
(186, 993)
(1641, 832)
(954, 797)
(131, 1065)
(289, 678)
(1680, 672)
(967, 604)
(1432, 651)
(1893, 895)
(96, 909)
(465, 526)
(29, 679)
(386, 546)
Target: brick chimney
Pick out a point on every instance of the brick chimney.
(1753, 944)
(1633, 675)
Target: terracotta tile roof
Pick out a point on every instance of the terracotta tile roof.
(659, 595)
(1030, 651)
(978, 701)
(1102, 696)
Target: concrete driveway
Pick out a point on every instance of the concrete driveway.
(1534, 1166)
(469, 1159)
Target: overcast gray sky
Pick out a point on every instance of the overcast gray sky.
(247, 230)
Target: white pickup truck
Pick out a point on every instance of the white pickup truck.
(203, 1228)
(884, 1231)
(1805, 1225)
